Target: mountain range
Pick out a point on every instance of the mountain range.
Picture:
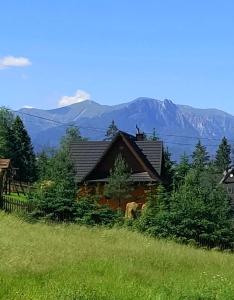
(179, 126)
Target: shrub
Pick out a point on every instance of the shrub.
(199, 211)
(90, 212)
(51, 204)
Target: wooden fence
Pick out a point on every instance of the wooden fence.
(12, 205)
(21, 187)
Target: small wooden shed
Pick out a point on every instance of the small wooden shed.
(6, 174)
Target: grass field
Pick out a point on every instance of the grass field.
(39, 261)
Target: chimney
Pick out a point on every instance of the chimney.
(139, 135)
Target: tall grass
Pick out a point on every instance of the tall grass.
(39, 261)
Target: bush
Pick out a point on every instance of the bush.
(90, 212)
(55, 193)
(199, 211)
(51, 204)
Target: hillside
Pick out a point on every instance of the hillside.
(39, 261)
(175, 124)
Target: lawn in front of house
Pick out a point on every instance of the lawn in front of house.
(40, 261)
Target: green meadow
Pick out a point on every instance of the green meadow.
(40, 261)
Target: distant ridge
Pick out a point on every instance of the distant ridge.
(175, 124)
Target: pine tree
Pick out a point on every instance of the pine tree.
(72, 135)
(119, 183)
(42, 164)
(23, 157)
(154, 136)
(6, 133)
(200, 156)
(182, 169)
(55, 195)
(157, 204)
(111, 131)
(56, 190)
(167, 169)
(223, 155)
(200, 210)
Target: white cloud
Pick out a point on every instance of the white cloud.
(12, 61)
(27, 106)
(78, 97)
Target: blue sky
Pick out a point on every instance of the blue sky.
(115, 51)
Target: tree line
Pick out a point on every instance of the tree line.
(189, 206)
(15, 143)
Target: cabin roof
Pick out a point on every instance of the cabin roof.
(136, 177)
(86, 155)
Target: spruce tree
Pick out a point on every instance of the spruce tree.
(43, 161)
(56, 190)
(157, 204)
(167, 169)
(154, 136)
(198, 212)
(55, 195)
(182, 169)
(111, 131)
(119, 183)
(72, 135)
(223, 155)
(6, 132)
(23, 157)
(200, 156)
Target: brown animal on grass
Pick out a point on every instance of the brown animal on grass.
(132, 208)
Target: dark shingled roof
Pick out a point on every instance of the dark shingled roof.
(153, 152)
(86, 154)
(136, 177)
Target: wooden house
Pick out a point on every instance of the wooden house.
(93, 161)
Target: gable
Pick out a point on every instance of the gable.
(94, 159)
(102, 169)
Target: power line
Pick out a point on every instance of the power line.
(39, 117)
(191, 137)
(185, 144)
(70, 124)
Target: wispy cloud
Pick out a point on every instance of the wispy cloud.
(78, 97)
(12, 62)
(27, 106)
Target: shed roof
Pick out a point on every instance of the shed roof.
(4, 163)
